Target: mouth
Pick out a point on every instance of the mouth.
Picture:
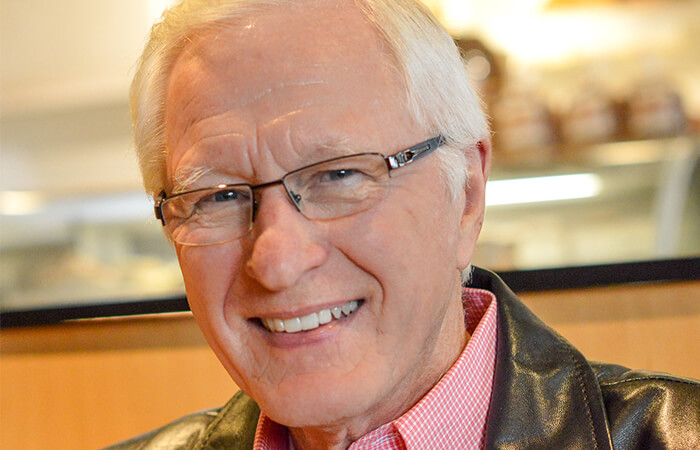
(309, 321)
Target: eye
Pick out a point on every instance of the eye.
(219, 199)
(338, 175)
(228, 195)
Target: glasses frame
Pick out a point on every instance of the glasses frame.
(393, 162)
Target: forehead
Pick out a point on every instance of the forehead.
(239, 64)
(284, 43)
(289, 75)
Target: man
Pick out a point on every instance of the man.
(320, 166)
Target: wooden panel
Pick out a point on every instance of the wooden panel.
(86, 385)
(647, 326)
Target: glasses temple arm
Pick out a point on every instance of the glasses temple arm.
(411, 154)
(158, 206)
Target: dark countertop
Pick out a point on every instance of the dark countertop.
(519, 280)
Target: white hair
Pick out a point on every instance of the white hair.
(438, 91)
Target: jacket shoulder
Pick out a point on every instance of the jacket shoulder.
(232, 426)
(650, 409)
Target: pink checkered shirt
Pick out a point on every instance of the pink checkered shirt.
(451, 415)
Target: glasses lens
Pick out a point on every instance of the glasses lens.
(339, 187)
(209, 216)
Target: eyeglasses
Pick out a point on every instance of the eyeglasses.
(330, 189)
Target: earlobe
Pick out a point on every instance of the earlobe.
(474, 202)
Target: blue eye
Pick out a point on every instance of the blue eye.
(337, 175)
(223, 196)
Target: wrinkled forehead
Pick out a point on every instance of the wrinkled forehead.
(287, 46)
(260, 70)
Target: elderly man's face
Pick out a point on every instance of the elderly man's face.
(252, 102)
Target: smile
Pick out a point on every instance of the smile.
(309, 321)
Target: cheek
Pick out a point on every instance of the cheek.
(208, 272)
(406, 240)
(406, 248)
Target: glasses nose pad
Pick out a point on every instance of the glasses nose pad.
(255, 210)
(296, 199)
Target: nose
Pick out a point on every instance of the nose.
(286, 244)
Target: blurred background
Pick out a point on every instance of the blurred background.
(595, 107)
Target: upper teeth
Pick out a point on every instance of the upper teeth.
(310, 321)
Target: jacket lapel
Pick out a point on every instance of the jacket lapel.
(545, 394)
(234, 427)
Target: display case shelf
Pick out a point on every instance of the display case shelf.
(644, 207)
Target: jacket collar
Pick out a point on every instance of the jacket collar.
(545, 394)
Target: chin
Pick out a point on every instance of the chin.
(315, 401)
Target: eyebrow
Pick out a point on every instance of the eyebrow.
(186, 176)
(332, 149)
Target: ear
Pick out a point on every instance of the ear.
(473, 215)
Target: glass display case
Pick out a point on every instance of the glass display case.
(77, 229)
(607, 203)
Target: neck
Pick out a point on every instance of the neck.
(331, 438)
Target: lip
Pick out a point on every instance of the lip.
(304, 338)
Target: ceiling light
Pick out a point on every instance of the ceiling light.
(19, 203)
(542, 189)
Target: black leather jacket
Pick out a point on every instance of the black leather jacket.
(545, 395)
